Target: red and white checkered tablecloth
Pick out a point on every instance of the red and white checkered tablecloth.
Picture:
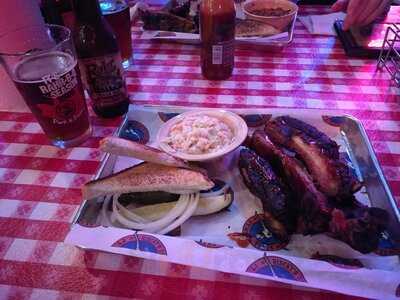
(39, 184)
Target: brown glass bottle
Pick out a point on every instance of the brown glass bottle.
(99, 60)
(58, 12)
(217, 32)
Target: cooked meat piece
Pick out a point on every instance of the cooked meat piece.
(261, 180)
(313, 207)
(332, 176)
(275, 227)
(361, 228)
(160, 20)
(328, 146)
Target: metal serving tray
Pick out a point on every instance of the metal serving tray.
(354, 137)
(213, 251)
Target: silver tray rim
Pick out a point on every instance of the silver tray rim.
(392, 202)
(276, 43)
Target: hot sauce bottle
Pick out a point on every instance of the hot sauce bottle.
(217, 33)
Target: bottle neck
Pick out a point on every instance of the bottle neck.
(87, 11)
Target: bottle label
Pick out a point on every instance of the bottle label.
(217, 54)
(103, 78)
(222, 53)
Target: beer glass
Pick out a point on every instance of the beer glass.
(42, 63)
(116, 12)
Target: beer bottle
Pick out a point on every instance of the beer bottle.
(99, 60)
(217, 33)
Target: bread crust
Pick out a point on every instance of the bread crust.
(147, 177)
(122, 147)
(250, 28)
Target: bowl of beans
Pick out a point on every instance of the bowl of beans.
(277, 13)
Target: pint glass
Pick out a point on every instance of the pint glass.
(117, 15)
(42, 63)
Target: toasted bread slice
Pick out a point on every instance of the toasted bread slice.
(118, 146)
(148, 177)
(250, 28)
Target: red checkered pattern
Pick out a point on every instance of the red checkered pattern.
(39, 184)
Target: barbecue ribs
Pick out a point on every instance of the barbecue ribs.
(261, 180)
(319, 153)
(313, 207)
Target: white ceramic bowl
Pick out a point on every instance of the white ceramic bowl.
(279, 22)
(235, 123)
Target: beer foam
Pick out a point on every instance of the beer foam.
(35, 68)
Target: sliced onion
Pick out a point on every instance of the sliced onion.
(206, 206)
(169, 219)
(114, 220)
(210, 205)
(174, 213)
(170, 216)
(194, 200)
(104, 215)
(129, 214)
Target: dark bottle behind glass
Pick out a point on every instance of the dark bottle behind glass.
(99, 60)
(58, 12)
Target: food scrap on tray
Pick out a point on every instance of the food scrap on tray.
(304, 186)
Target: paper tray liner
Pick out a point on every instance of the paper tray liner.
(206, 241)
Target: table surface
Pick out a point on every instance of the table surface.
(39, 184)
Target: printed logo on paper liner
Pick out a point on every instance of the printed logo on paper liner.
(135, 131)
(334, 121)
(208, 245)
(142, 242)
(255, 120)
(259, 236)
(166, 116)
(386, 247)
(339, 262)
(276, 267)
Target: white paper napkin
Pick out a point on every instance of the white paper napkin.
(321, 24)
